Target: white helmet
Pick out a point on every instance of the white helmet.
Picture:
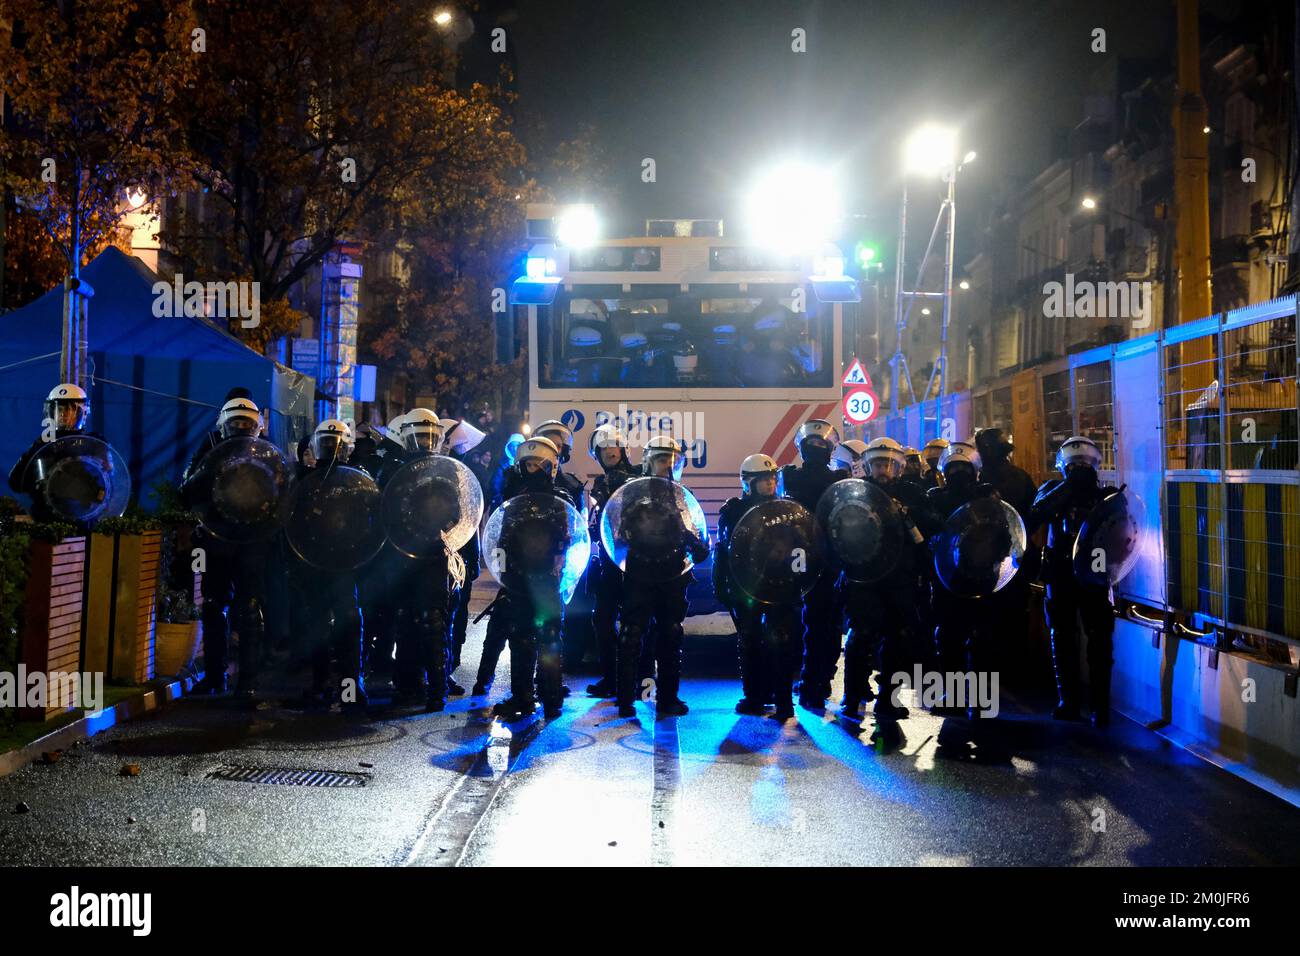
(887, 450)
(394, 427)
(560, 434)
(1078, 450)
(662, 446)
(421, 430)
(541, 450)
(606, 436)
(848, 455)
(960, 451)
(817, 429)
(67, 394)
(934, 449)
(332, 438)
(239, 416)
(755, 467)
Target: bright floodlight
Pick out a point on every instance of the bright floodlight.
(577, 226)
(794, 208)
(136, 198)
(965, 284)
(968, 158)
(930, 151)
(1089, 203)
(442, 17)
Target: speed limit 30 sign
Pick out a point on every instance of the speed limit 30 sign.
(860, 406)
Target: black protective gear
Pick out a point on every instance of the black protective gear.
(822, 624)
(604, 579)
(334, 624)
(662, 605)
(232, 585)
(1064, 505)
(24, 482)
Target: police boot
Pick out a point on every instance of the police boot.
(1099, 698)
(667, 701)
(549, 667)
(629, 653)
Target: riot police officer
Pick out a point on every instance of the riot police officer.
(378, 579)
(530, 618)
(958, 621)
(532, 473)
(822, 632)
(67, 409)
(234, 575)
(912, 468)
(421, 586)
(930, 454)
(848, 457)
(604, 579)
(663, 603)
(333, 620)
(1063, 504)
(767, 634)
(883, 615)
(561, 437)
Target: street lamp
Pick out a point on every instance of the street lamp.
(442, 18)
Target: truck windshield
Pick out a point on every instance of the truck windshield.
(682, 341)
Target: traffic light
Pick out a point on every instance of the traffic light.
(867, 255)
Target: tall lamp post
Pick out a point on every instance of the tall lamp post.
(929, 151)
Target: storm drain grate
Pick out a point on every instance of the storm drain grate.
(290, 778)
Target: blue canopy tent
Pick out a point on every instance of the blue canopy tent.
(156, 383)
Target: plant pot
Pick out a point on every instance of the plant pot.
(51, 634)
(177, 645)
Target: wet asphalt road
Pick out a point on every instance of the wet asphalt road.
(710, 788)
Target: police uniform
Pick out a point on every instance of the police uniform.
(1063, 504)
(822, 617)
(767, 634)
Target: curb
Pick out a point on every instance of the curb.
(90, 724)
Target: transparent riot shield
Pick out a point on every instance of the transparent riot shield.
(776, 552)
(646, 526)
(334, 518)
(241, 489)
(980, 548)
(864, 530)
(431, 501)
(78, 478)
(1110, 542)
(537, 541)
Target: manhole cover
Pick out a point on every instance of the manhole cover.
(290, 778)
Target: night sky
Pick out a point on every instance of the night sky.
(712, 91)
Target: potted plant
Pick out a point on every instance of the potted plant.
(179, 634)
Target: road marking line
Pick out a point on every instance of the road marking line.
(447, 835)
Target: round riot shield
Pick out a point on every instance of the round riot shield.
(776, 552)
(980, 548)
(864, 530)
(334, 519)
(645, 525)
(241, 489)
(430, 501)
(1110, 540)
(534, 541)
(78, 478)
